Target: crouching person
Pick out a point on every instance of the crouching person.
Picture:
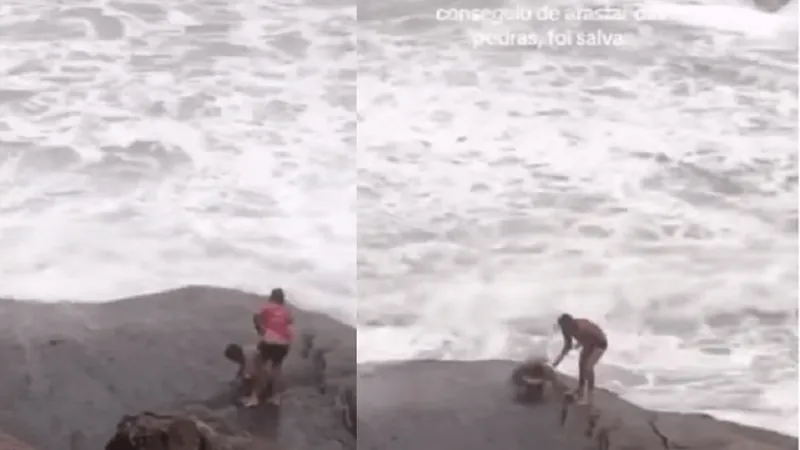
(250, 373)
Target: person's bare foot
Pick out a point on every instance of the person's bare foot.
(250, 402)
(578, 397)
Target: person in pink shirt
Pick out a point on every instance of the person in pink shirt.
(274, 324)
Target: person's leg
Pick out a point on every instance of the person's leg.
(260, 377)
(591, 362)
(582, 373)
(280, 353)
(253, 386)
(256, 388)
(277, 385)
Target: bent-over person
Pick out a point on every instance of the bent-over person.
(593, 343)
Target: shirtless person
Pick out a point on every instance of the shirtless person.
(593, 343)
(274, 326)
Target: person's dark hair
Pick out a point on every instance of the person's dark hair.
(277, 296)
(565, 320)
(234, 353)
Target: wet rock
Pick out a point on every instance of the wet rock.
(150, 431)
(771, 5)
(8, 442)
(466, 405)
(154, 362)
(346, 404)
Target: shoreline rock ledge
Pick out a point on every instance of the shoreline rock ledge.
(147, 371)
(471, 405)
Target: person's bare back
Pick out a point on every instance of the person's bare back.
(587, 333)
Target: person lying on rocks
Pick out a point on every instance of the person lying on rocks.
(274, 325)
(593, 342)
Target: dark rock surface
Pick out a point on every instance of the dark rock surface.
(8, 442)
(433, 405)
(72, 371)
(772, 5)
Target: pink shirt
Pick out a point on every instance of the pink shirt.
(276, 321)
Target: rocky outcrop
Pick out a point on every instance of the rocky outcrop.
(347, 408)
(773, 5)
(8, 442)
(82, 376)
(471, 406)
(199, 427)
(150, 431)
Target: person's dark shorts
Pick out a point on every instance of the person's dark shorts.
(587, 350)
(274, 353)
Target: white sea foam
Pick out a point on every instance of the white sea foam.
(210, 142)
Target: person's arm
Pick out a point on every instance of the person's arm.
(565, 350)
(257, 324)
